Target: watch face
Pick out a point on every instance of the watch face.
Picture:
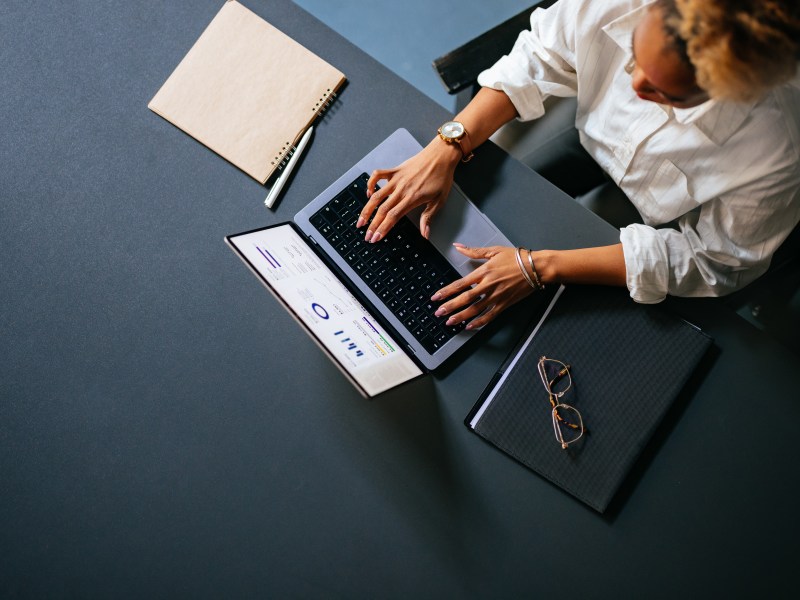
(453, 130)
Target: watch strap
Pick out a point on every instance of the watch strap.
(466, 147)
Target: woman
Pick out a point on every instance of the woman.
(689, 106)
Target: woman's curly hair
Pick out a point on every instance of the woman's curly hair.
(739, 48)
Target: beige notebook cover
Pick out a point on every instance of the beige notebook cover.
(247, 91)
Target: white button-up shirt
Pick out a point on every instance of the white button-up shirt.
(727, 173)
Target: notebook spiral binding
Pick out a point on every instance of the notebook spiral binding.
(288, 148)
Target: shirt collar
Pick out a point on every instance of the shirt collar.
(717, 120)
(621, 29)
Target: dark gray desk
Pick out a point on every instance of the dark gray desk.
(166, 430)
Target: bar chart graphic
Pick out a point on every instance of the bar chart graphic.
(351, 345)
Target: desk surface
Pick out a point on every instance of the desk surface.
(167, 430)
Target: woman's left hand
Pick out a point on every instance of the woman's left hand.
(487, 291)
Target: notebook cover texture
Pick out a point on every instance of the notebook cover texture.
(628, 363)
(247, 91)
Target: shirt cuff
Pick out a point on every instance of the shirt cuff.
(646, 263)
(512, 79)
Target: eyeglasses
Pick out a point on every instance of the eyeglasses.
(567, 421)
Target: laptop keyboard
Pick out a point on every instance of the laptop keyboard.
(403, 269)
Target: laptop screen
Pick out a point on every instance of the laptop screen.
(320, 301)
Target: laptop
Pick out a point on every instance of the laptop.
(368, 305)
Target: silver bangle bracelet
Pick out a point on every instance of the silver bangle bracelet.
(522, 268)
(539, 284)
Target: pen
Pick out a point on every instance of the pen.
(281, 181)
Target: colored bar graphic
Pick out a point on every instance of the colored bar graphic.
(351, 345)
(269, 258)
(370, 325)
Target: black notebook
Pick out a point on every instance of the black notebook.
(627, 362)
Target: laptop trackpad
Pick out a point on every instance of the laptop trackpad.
(461, 221)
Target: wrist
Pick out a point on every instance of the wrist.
(546, 262)
(449, 154)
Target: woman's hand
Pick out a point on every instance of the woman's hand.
(487, 291)
(425, 178)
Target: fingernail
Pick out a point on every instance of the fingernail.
(426, 232)
(360, 223)
(469, 326)
(441, 312)
(436, 296)
(368, 237)
(451, 321)
(458, 245)
(376, 237)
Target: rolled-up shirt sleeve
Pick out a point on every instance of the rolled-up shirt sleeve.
(541, 63)
(721, 247)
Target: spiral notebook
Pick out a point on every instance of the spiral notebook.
(628, 364)
(247, 91)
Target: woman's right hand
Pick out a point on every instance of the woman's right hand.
(425, 178)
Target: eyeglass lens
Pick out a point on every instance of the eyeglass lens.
(557, 375)
(568, 427)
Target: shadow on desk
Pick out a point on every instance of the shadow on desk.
(484, 181)
(412, 467)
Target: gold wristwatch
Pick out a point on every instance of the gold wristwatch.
(453, 132)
